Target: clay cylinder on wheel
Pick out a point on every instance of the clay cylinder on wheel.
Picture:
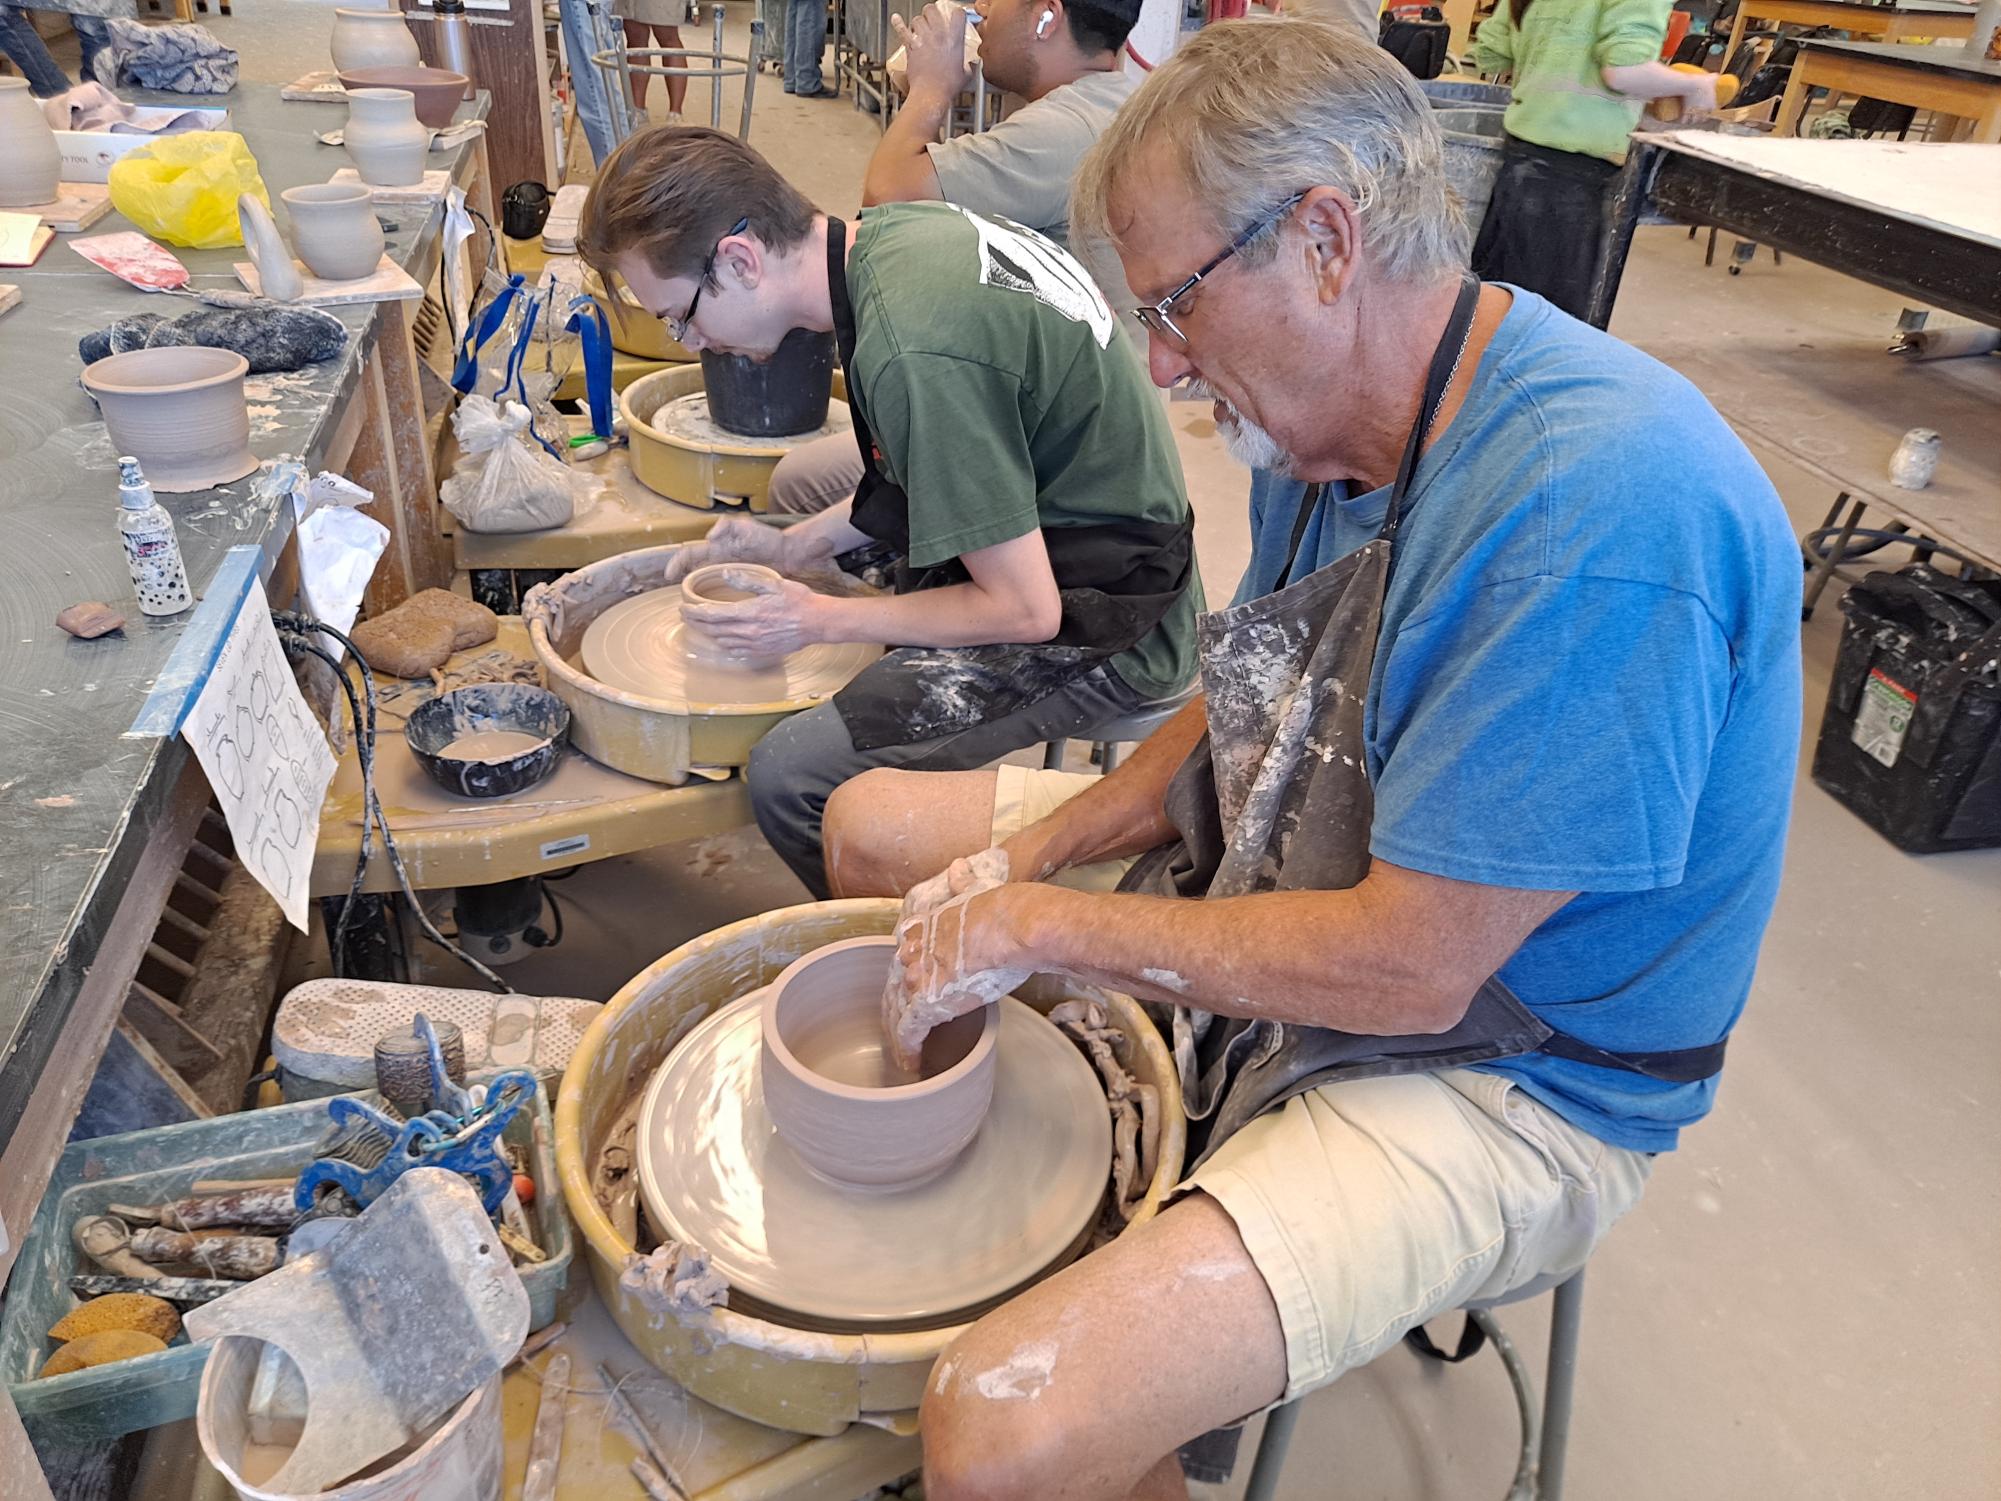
(384, 138)
(835, 1095)
(335, 229)
(30, 166)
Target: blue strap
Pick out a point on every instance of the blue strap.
(587, 322)
(465, 372)
(516, 359)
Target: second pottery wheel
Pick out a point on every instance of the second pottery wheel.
(637, 645)
(1014, 1205)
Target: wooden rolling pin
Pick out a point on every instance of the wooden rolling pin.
(1672, 107)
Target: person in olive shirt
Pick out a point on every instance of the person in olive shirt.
(1018, 461)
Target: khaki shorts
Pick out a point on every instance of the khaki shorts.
(1370, 1207)
(1028, 794)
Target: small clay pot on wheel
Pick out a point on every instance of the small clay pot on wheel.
(724, 584)
(835, 1095)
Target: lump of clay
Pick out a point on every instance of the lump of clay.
(270, 335)
(89, 620)
(414, 639)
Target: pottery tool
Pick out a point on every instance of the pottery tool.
(656, 1485)
(629, 1415)
(190, 1292)
(545, 1446)
(134, 260)
(392, 1326)
(539, 1341)
(108, 1243)
(465, 1145)
(244, 1258)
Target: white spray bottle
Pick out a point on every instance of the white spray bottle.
(152, 551)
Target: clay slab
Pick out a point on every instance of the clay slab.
(1015, 1204)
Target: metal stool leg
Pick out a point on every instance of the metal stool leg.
(1279, 1424)
(1566, 1323)
(1108, 757)
(1052, 755)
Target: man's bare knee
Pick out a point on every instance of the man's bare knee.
(980, 1447)
(863, 855)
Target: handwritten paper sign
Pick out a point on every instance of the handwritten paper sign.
(266, 758)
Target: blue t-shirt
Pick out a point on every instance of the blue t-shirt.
(1588, 680)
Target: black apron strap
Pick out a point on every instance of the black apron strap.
(1673, 1066)
(1457, 327)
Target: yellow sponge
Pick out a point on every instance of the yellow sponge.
(141, 1312)
(101, 1348)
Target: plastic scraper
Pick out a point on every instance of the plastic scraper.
(140, 262)
(406, 1313)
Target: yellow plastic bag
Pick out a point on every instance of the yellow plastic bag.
(183, 188)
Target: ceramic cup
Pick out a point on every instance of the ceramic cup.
(383, 138)
(837, 1098)
(335, 229)
(30, 164)
(179, 410)
(372, 39)
(723, 584)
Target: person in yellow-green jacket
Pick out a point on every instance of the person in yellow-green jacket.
(1583, 70)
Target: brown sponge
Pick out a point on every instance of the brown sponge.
(413, 640)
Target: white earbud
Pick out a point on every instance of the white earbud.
(1048, 20)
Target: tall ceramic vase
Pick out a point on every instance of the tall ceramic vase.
(30, 165)
(372, 39)
(335, 229)
(384, 138)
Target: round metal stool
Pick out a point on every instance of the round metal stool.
(1109, 736)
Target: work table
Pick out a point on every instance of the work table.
(83, 794)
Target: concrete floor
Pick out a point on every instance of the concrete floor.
(1805, 1304)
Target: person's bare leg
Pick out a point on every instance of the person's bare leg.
(1083, 1387)
(635, 40)
(886, 830)
(677, 88)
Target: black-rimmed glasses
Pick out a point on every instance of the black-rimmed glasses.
(1159, 318)
(679, 327)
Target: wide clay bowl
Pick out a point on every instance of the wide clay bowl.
(179, 410)
(724, 584)
(838, 1099)
(489, 711)
(437, 91)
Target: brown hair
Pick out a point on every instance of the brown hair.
(670, 192)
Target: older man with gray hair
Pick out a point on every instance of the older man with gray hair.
(1453, 882)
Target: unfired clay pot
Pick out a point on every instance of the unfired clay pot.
(436, 91)
(723, 584)
(335, 229)
(373, 39)
(384, 138)
(179, 411)
(277, 277)
(839, 1100)
(30, 166)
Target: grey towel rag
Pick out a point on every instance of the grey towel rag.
(179, 59)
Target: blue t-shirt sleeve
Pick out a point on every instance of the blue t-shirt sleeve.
(1549, 733)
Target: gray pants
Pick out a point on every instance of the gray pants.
(795, 768)
(816, 475)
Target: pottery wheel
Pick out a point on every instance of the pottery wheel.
(685, 420)
(1016, 1204)
(637, 646)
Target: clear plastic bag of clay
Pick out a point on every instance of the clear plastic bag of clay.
(505, 481)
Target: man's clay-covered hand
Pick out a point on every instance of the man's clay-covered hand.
(734, 539)
(776, 620)
(941, 969)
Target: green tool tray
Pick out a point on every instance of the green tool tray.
(150, 1167)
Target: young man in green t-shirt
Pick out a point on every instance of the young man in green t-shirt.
(1019, 462)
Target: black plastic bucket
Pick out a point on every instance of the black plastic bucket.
(773, 398)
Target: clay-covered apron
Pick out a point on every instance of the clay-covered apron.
(1276, 797)
(1117, 581)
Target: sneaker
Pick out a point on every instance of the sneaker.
(674, 117)
(822, 92)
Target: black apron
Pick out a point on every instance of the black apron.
(1117, 581)
(1276, 797)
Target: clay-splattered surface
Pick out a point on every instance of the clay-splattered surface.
(76, 799)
